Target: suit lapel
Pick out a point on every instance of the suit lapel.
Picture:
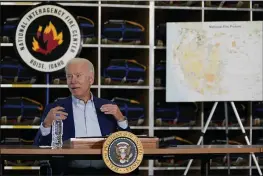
(102, 121)
(69, 126)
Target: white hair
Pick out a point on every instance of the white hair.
(80, 60)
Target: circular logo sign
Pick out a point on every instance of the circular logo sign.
(122, 152)
(47, 37)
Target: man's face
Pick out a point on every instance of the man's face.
(79, 79)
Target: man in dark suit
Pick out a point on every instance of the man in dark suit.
(83, 115)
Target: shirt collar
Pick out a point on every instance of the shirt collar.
(77, 101)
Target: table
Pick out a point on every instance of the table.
(183, 149)
(205, 151)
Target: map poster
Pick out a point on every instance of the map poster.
(214, 61)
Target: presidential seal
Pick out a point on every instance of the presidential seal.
(47, 37)
(122, 152)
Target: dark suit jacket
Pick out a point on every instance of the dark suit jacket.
(107, 123)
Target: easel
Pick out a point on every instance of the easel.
(226, 118)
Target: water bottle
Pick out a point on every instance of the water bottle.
(57, 133)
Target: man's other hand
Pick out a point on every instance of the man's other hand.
(113, 110)
(54, 114)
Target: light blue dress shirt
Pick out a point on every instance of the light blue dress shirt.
(86, 125)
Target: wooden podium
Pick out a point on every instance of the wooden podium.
(97, 143)
(122, 151)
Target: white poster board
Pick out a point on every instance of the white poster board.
(214, 61)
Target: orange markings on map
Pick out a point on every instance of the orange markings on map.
(209, 77)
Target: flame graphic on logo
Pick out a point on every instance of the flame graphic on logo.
(50, 38)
